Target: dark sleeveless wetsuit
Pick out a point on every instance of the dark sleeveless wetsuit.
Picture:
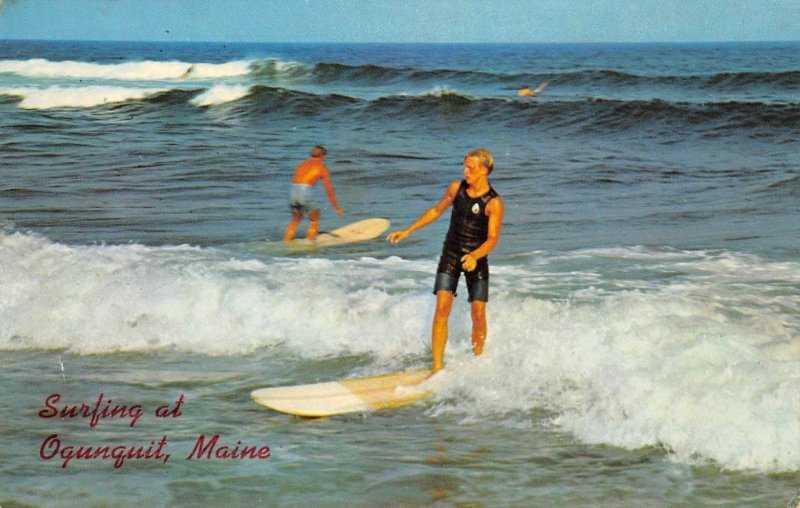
(469, 228)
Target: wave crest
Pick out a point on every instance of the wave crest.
(78, 97)
(128, 71)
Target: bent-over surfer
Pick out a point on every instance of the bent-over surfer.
(307, 174)
(475, 224)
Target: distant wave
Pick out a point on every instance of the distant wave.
(128, 71)
(375, 74)
(77, 97)
(446, 92)
(328, 72)
(277, 102)
(788, 79)
(220, 95)
(152, 70)
(590, 114)
(276, 70)
(703, 117)
(710, 119)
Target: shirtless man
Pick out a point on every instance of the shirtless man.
(525, 91)
(307, 174)
(475, 225)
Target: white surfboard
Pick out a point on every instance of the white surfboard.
(361, 231)
(346, 396)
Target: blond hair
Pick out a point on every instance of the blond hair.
(484, 156)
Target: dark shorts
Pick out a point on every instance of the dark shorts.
(449, 271)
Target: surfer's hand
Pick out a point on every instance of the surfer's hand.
(468, 262)
(396, 237)
(339, 210)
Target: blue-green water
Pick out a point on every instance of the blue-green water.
(643, 324)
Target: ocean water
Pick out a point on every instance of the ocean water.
(644, 320)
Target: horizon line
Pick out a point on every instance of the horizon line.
(508, 43)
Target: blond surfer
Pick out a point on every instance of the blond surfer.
(475, 223)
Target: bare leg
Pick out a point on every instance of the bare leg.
(444, 303)
(291, 228)
(478, 312)
(313, 226)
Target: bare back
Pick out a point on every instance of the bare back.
(310, 171)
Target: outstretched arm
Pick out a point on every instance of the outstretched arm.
(494, 210)
(326, 182)
(430, 215)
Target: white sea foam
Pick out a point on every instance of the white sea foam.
(706, 366)
(704, 363)
(77, 97)
(221, 70)
(100, 299)
(437, 92)
(443, 91)
(220, 94)
(134, 71)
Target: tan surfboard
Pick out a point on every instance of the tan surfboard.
(361, 231)
(356, 395)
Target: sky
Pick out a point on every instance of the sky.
(447, 21)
